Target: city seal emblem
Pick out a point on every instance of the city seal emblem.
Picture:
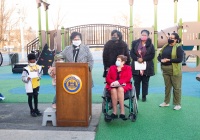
(72, 84)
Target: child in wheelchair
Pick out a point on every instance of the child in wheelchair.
(118, 84)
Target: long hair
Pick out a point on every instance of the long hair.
(177, 37)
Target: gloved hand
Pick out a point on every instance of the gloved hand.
(115, 84)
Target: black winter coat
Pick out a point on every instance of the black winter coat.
(111, 51)
(150, 54)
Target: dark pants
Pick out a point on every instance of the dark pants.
(145, 84)
(34, 96)
(172, 81)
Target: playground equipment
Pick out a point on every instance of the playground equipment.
(96, 35)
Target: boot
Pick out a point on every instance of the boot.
(33, 114)
(38, 113)
(144, 98)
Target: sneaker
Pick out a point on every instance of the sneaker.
(54, 106)
(113, 116)
(177, 107)
(123, 117)
(33, 114)
(1, 97)
(163, 104)
(38, 113)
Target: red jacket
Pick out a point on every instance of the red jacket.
(124, 77)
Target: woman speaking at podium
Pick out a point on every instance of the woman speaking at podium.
(77, 52)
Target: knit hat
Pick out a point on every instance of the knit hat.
(31, 56)
(58, 56)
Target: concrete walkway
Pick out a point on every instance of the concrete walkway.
(17, 124)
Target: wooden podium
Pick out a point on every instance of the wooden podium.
(73, 94)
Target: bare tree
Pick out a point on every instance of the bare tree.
(59, 18)
(6, 23)
(124, 19)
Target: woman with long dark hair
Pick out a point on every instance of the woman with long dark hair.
(171, 56)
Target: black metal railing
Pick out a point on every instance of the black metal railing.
(96, 35)
(33, 46)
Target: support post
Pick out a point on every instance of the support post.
(155, 35)
(198, 48)
(47, 28)
(46, 6)
(39, 27)
(63, 37)
(131, 23)
(175, 11)
(180, 28)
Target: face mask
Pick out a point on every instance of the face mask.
(32, 64)
(114, 38)
(144, 38)
(60, 61)
(76, 43)
(170, 41)
(118, 63)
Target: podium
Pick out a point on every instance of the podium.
(73, 94)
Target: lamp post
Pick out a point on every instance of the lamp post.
(22, 37)
(155, 35)
(21, 32)
(131, 22)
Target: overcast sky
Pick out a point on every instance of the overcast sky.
(79, 12)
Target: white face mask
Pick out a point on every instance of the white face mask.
(76, 43)
(118, 63)
(60, 61)
(32, 64)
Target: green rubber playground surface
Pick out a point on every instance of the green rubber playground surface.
(156, 123)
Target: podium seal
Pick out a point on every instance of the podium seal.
(72, 84)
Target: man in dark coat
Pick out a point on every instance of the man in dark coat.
(114, 47)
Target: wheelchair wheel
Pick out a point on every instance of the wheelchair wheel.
(1, 59)
(133, 117)
(135, 106)
(104, 106)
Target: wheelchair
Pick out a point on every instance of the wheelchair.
(132, 105)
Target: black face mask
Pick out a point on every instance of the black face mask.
(114, 39)
(170, 41)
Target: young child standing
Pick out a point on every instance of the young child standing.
(31, 77)
(52, 73)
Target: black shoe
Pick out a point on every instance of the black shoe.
(113, 116)
(123, 117)
(38, 113)
(144, 98)
(137, 97)
(33, 114)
